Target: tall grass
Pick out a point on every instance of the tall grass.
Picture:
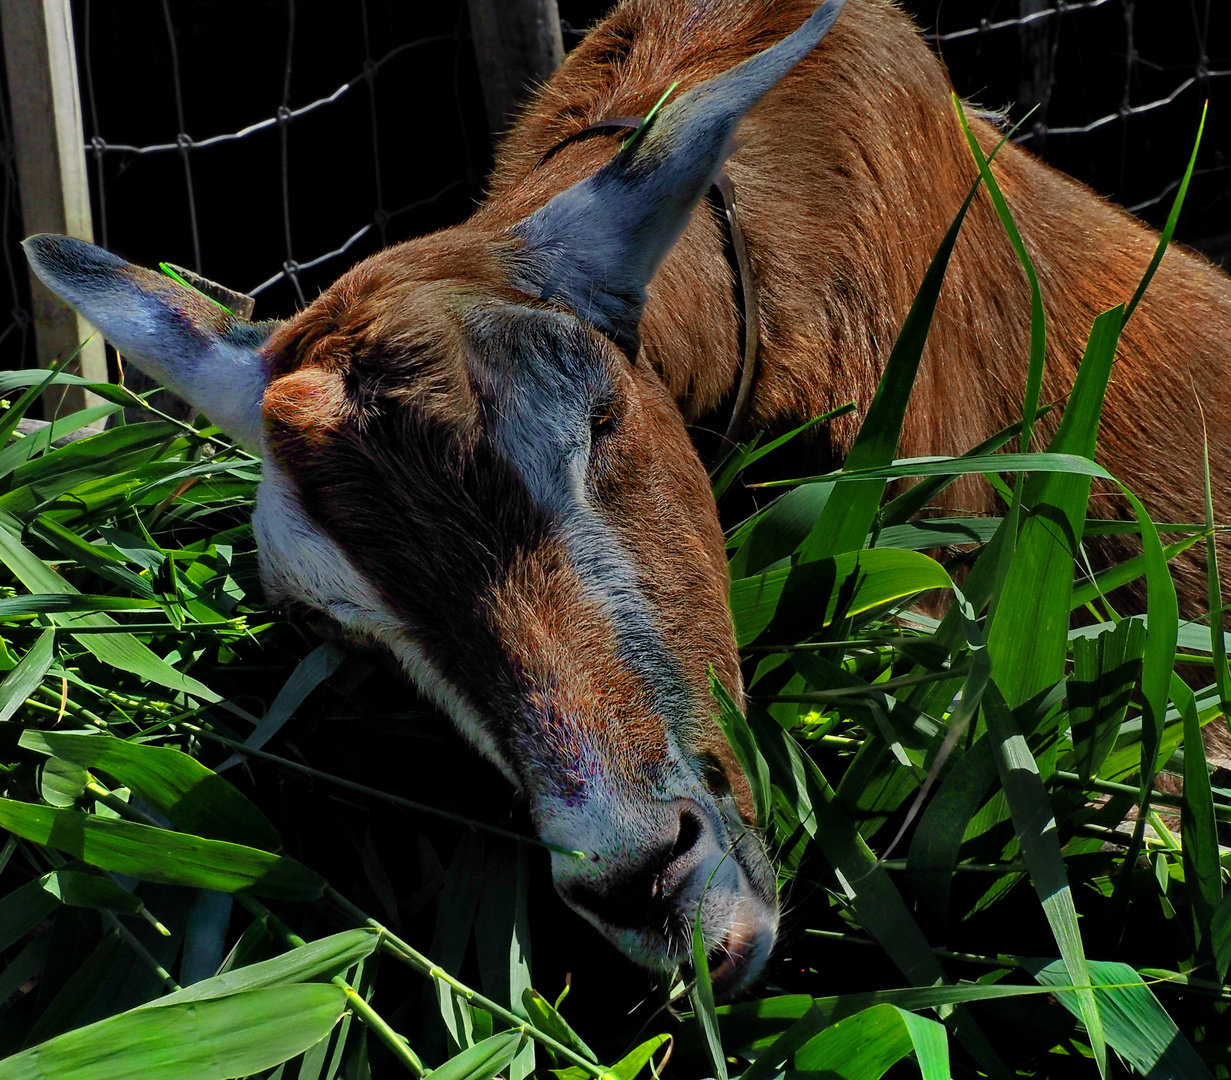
(947, 797)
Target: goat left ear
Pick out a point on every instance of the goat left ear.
(191, 344)
(595, 247)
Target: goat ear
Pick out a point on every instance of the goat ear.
(595, 247)
(176, 335)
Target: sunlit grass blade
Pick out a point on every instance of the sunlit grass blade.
(194, 799)
(702, 998)
(987, 464)
(1202, 865)
(201, 1040)
(791, 602)
(1173, 218)
(866, 1045)
(158, 855)
(1035, 824)
(1105, 671)
(483, 1060)
(1137, 1026)
(20, 683)
(1028, 637)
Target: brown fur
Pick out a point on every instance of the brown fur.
(848, 174)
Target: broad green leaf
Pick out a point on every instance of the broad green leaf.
(21, 682)
(195, 799)
(152, 854)
(481, 1061)
(61, 783)
(317, 960)
(43, 603)
(1137, 1026)
(789, 603)
(200, 1040)
(79, 889)
(1028, 638)
(866, 1045)
(1105, 670)
(630, 1065)
(1035, 824)
(543, 1015)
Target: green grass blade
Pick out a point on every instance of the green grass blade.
(195, 799)
(314, 961)
(309, 673)
(481, 1061)
(1105, 671)
(847, 518)
(735, 727)
(787, 604)
(866, 1045)
(158, 855)
(21, 682)
(873, 898)
(702, 997)
(120, 649)
(1038, 321)
(987, 464)
(1173, 218)
(1137, 1026)
(1202, 867)
(629, 1066)
(1035, 824)
(1123, 573)
(204, 1040)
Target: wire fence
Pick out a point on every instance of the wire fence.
(270, 156)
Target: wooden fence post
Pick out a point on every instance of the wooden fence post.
(45, 103)
(517, 43)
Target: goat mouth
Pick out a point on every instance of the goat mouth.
(736, 960)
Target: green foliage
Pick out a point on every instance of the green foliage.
(951, 800)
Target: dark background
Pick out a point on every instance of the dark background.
(406, 148)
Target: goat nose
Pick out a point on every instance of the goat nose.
(634, 887)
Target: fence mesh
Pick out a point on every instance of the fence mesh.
(271, 151)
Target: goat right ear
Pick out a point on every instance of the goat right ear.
(190, 344)
(595, 247)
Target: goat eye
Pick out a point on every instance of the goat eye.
(601, 420)
(714, 776)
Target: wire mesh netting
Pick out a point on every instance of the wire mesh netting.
(272, 151)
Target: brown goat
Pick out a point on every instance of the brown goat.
(475, 444)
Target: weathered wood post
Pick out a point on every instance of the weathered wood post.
(517, 43)
(45, 103)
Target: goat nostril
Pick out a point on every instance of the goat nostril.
(690, 831)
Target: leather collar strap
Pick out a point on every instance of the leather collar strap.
(722, 198)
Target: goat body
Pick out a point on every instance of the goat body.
(475, 443)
